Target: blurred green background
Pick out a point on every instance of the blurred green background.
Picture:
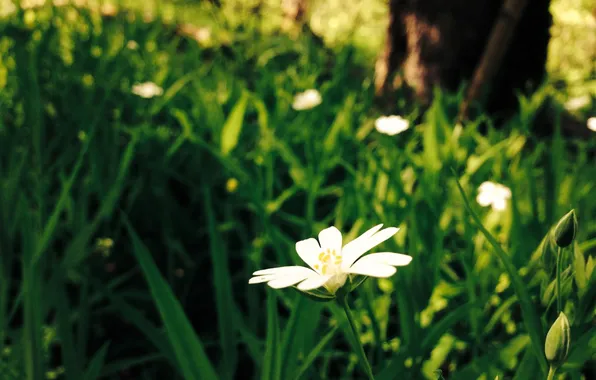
(130, 225)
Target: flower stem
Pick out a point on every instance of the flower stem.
(344, 303)
(559, 260)
(551, 373)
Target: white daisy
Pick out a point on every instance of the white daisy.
(493, 194)
(147, 90)
(592, 124)
(331, 264)
(391, 125)
(577, 103)
(307, 100)
(132, 45)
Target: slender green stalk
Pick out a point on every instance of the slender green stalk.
(559, 259)
(551, 372)
(344, 303)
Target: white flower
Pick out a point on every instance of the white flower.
(391, 125)
(331, 264)
(307, 100)
(7, 8)
(592, 124)
(132, 45)
(203, 35)
(28, 4)
(575, 104)
(147, 90)
(493, 194)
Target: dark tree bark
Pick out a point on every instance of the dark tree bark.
(440, 43)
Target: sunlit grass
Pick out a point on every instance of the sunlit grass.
(130, 225)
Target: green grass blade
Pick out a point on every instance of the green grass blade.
(97, 362)
(72, 361)
(223, 291)
(314, 353)
(75, 251)
(52, 223)
(115, 367)
(271, 361)
(527, 367)
(193, 360)
(151, 332)
(233, 126)
(34, 360)
(531, 320)
(438, 329)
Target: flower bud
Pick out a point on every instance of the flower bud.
(565, 230)
(557, 342)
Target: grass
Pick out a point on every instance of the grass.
(130, 226)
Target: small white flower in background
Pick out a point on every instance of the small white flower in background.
(331, 264)
(577, 103)
(592, 124)
(28, 4)
(307, 100)
(391, 125)
(203, 35)
(493, 194)
(132, 45)
(147, 90)
(7, 8)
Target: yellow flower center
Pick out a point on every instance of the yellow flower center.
(329, 262)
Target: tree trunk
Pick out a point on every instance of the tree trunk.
(440, 43)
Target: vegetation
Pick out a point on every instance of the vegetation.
(132, 218)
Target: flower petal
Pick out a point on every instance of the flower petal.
(313, 282)
(283, 271)
(330, 238)
(499, 204)
(309, 250)
(484, 198)
(282, 277)
(349, 248)
(289, 280)
(386, 258)
(372, 270)
(260, 279)
(361, 246)
(504, 191)
(486, 186)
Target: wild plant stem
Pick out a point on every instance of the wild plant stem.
(551, 372)
(559, 260)
(363, 361)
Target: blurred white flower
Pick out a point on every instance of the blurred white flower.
(331, 264)
(493, 194)
(307, 100)
(28, 4)
(391, 125)
(7, 8)
(577, 103)
(592, 124)
(132, 45)
(203, 35)
(147, 90)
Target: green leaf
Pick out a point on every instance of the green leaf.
(233, 126)
(97, 362)
(530, 317)
(72, 361)
(223, 290)
(342, 121)
(271, 362)
(438, 329)
(527, 367)
(191, 356)
(314, 353)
